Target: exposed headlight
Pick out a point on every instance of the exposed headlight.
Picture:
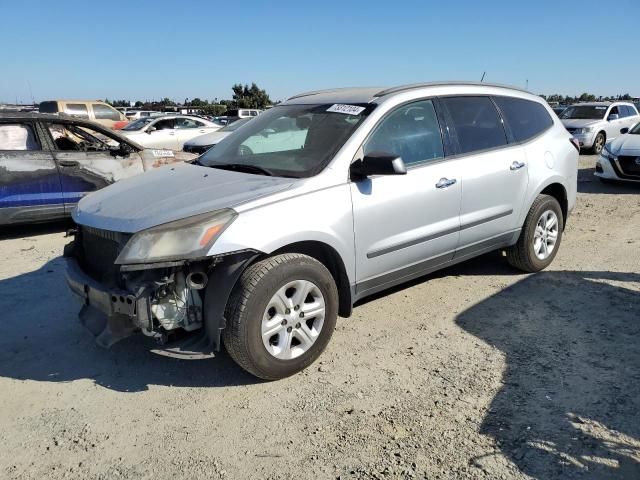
(183, 239)
(583, 130)
(606, 153)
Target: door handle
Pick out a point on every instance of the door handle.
(68, 163)
(517, 165)
(445, 182)
(172, 133)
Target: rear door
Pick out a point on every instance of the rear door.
(88, 159)
(188, 128)
(29, 181)
(494, 178)
(406, 225)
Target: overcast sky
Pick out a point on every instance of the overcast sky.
(151, 49)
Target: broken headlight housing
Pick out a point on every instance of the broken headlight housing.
(188, 238)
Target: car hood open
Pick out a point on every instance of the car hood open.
(171, 193)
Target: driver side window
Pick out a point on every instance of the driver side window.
(411, 132)
(70, 138)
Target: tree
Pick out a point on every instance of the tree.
(249, 97)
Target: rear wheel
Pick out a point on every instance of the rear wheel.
(598, 143)
(281, 315)
(540, 236)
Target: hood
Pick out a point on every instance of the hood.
(171, 193)
(207, 139)
(579, 123)
(628, 145)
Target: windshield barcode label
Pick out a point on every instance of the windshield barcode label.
(346, 109)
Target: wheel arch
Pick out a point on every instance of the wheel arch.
(558, 191)
(330, 258)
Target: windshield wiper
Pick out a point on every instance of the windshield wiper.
(242, 167)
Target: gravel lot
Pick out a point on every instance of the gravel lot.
(473, 372)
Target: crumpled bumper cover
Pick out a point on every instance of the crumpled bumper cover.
(110, 314)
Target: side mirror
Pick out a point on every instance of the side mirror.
(613, 116)
(624, 131)
(377, 163)
(151, 129)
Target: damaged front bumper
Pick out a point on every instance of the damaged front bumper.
(110, 314)
(116, 309)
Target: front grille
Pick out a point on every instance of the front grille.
(100, 248)
(630, 165)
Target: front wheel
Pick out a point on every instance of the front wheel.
(281, 315)
(540, 236)
(598, 143)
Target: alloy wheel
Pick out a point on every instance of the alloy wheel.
(293, 319)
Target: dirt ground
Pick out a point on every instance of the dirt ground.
(477, 371)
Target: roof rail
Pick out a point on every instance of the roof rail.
(316, 92)
(414, 86)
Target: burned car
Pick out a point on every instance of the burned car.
(49, 162)
(320, 201)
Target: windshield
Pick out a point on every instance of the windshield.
(290, 140)
(584, 112)
(138, 124)
(235, 125)
(635, 130)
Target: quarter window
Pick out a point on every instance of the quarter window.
(15, 136)
(77, 109)
(104, 112)
(476, 122)
(525, 118)
(411, 132)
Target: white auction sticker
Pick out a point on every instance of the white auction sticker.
(346, 109)
(162, 153)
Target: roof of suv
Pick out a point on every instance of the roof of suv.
(369, 94)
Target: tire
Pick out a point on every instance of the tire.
(524, 255)
(257, 301)
(598, 143)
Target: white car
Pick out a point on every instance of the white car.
(594, 124)
(620, 159)
(167, 131)
(204, 142)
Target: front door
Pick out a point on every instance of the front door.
(88, 160)
(406, 224)
(29, 181)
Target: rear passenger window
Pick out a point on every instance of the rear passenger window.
(411, 132)
(15, 136)
(525, 118)
(476, 122)
(77, 109)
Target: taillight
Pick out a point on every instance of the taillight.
(575, 143)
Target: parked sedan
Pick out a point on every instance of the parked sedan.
(594, 124)
(204, 142)
(168, 131)
(48, 163)
(620, 159)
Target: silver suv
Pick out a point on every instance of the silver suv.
(595, 124)
(322, 200)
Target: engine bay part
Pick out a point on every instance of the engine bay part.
(175, 305)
